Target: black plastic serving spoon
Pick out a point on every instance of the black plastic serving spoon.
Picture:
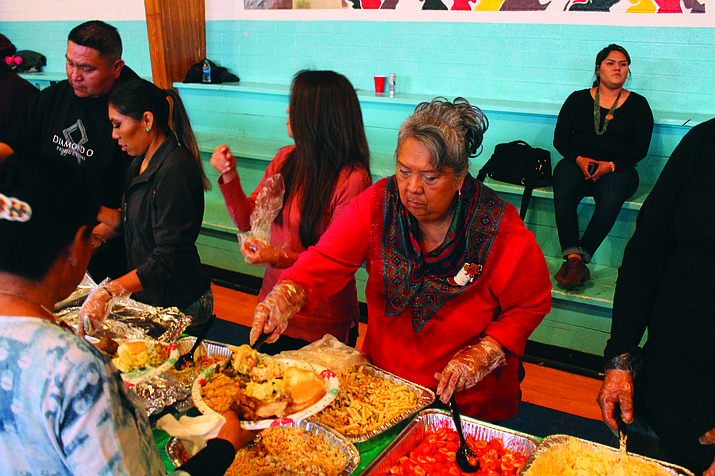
(464, 451)
(188, 358)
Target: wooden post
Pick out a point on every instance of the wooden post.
(177, 37)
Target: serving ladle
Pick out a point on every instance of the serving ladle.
(464, 452)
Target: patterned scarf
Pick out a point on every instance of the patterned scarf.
(423, 281)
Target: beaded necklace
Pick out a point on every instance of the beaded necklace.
(597, 111)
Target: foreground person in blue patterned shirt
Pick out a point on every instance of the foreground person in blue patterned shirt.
(63, 407)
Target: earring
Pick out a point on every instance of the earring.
(148, 129)
(459, 197)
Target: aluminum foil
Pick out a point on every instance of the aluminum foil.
(131, 319)
(424, 395)
(556, 440)
(174, 388)
(428, 421)
(178, 455)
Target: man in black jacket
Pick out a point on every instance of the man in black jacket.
(664, 392)
(70, 119)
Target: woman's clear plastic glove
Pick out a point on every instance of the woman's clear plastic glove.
(272, 314)
(258, 252)
(616, 398)
(98, 305)
(469, 366)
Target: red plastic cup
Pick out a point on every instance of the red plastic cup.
(380, 84)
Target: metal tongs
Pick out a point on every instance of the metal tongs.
(464, 452)
(261, 339)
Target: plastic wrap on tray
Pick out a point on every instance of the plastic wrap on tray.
(424, 397)
(178, 455)
(174, 387)
(428, 421)
(557, 440)
(130, 319)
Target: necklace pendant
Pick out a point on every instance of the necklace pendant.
(609, 116)
(465, 275)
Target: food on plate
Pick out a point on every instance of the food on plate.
(365, 402)
(575, 457)
(304, 386)
(192, 369)
(139, 355)
(107, 345)
(288, 451)
(257, 387)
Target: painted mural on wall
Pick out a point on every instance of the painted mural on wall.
(628, 6)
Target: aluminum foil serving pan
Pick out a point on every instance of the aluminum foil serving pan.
(129, 319)
(423, 397)
(178, 454)
(430, 420)
(591, 461)
(174, 387)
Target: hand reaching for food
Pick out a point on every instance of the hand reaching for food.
(616, 398)
(97, 306)
(281, 304)
(469, 366)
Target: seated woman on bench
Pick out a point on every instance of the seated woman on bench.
(602, 133)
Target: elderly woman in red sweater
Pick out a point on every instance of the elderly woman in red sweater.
(456, 282)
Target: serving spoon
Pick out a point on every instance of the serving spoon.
(464, 452)
(188, 358)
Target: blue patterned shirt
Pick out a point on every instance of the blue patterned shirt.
(64, 409)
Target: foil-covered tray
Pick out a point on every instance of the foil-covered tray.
(178, 454)
(174, 387)
(430, 420)
(557, 440)
(129, 319)
(424, 397)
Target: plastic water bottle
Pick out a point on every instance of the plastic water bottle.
(206, 72)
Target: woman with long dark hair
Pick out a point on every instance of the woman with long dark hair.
(327, 167)
(602, 133)
(162, 207)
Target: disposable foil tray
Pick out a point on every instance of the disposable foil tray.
(429, 421)
(178, 454)
(424, 395)
(557, 440)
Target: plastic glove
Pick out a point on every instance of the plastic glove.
(469, 366)
(98, 305)
(256, 251)
(272, 314)
(224, 163)
(616, 398)
(709, 439)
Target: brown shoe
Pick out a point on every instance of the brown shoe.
(563, 271)
(578, 274)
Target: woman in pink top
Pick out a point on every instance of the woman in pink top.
(327, 167)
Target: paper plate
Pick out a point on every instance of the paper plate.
(332, 387)
(136, 376)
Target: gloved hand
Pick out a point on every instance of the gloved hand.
(97, 306)
(224, 163)
(709, 439)
(469, 366)
(258, 251)
(272, 314)
(616, 398)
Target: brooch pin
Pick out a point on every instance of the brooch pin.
(466, 274)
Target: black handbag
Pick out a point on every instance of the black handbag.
(520, 164)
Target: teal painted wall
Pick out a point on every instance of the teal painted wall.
(673, 67)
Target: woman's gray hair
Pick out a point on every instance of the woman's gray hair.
(451, 131)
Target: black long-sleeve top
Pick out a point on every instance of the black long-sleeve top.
(665, 285)
(625, 141)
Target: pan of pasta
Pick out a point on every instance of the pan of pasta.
(567, 455)
(371, 401)
(304, 447)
